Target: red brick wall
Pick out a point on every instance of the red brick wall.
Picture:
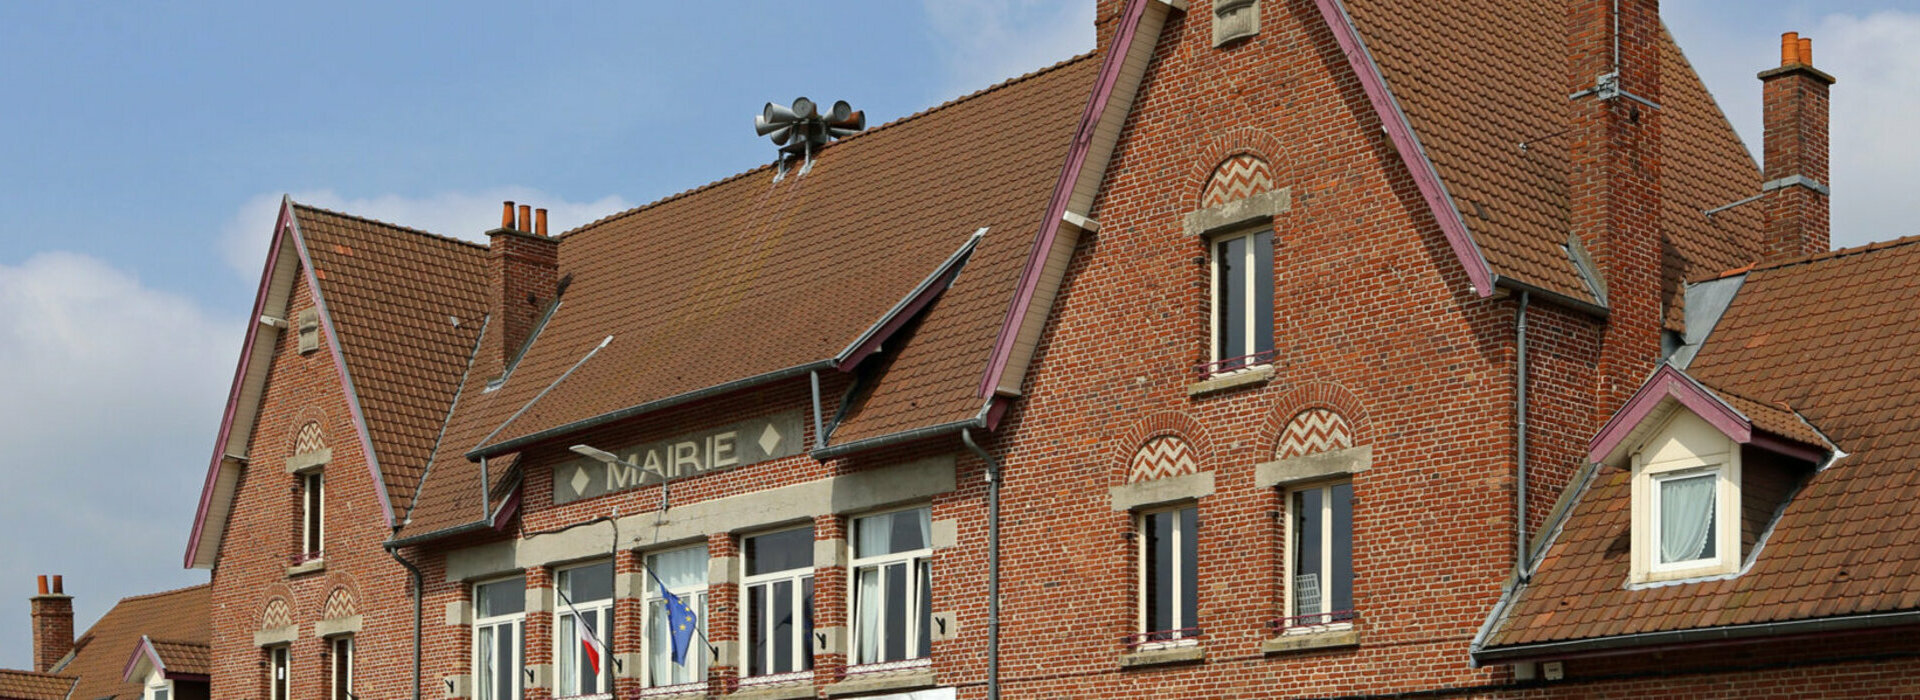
(264, 531)
(52, 628)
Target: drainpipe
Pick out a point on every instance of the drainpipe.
(993, 563)
(418, 584)
(1520, 414)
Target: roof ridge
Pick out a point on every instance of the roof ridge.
(1823, 256)
(157, 594)
(683, 194)
(388, 224)
(181, 642)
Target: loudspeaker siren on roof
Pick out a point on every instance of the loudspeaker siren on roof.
(800, 129)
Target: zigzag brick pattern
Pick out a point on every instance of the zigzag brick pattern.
(1162, 457)
(1241, 176)
(1314, 430)
(340, 604)
(277, 614)
(309, 439)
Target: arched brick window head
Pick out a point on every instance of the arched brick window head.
(1237, 178)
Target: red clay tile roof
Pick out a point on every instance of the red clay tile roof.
(1836, 337)
(100, 656)
(184, 657)
(393, 294)
(27, 685)
(1479, 79)
(746, 277)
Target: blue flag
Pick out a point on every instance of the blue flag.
(681, 622)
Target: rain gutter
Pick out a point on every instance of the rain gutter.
(1710, 636)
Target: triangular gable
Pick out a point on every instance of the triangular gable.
(238, 419)
(1670, 389)
(1121, 72)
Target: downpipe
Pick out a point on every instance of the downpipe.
(994, 478)
(418, 593)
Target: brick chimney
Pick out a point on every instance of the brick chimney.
(1796, 151)
(52, 625)
(1614, 184)
(523, 265)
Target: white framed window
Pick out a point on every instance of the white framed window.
(313, 504)
(1242, 300)
(499, 619)
(778, 615)
(1319, 558)
(685, 573)
(892, 586)
(1686, 503)
(279, 659)
(581, 624)
(340, 657)
(1169, 584)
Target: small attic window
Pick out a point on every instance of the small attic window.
(1234, 20)
(309, 325)
(1687, 515)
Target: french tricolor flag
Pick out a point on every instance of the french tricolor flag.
(590, 644)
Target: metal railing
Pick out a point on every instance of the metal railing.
(1229, 364)
(1281, 625)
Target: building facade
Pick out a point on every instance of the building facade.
(1269, 358)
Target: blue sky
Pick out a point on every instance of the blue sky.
(145, 145)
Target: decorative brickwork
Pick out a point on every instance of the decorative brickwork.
(309, 439)
(1314, 430)
(340, 603)
(1239, 177)
(276, 614)
(1161, 457)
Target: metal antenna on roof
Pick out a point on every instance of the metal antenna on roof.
(800, 129)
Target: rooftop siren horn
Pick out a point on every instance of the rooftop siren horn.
(800, 129)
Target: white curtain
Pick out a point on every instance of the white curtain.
(681, 569)
(1686, 518)
(868, 616)
(875, 535)
(924, 518)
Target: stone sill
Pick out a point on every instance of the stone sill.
(1183, 654)
(773, 692)
(881, 681)
(1232, 380)
(307, 567)
(683, 695)
(1310, 641)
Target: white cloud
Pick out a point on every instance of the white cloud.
(983, 42)
(110, 392)
(458, 214)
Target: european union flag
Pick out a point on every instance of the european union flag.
(681, 622)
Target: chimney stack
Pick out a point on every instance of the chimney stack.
(523, 265)
(1614, 183)
(1795, 97)
(52, 613)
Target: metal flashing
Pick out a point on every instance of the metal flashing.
(1706, 302)
(909, 306)
(1631, 643)
(1792, 180)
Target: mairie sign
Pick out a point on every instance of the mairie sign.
(737, 445)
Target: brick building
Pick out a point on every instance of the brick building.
(1270, 356)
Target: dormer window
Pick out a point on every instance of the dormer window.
(1686, 502)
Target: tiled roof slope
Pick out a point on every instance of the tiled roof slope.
(747, 276)
(393, 294)
(27, 685)
(100, 656)
(1835, 337)
(1479, 79)
(184, 657)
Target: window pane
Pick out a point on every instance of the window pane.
(343, 668)
(486, 664)
(681, 570)
(896, 615)
(1686, 518)
(924, 613)
(1262, 291)
(904, 531)
(1189, 560)
(806, 623)
(1159, 530)
(587, 584)
(314, 486)
(1229, 299)
(507, 597)
(1307, 522)
(569, 637)
(866, 604)
(782, 640)
(507, 651)
(757, 629)
(589, 678)
(1341, 577)
(780, 551)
